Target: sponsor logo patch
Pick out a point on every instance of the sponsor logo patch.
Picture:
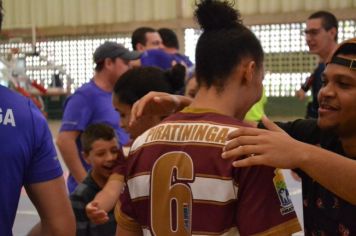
(282, 193)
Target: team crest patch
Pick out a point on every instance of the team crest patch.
(282, 192)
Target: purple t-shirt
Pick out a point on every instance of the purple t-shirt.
(163, 60)
(89, 105)
(27, 153)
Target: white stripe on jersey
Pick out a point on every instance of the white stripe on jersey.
(208, 189)
(139, 186)
(232, 232)
(213, 189)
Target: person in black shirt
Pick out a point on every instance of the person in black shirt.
(328, 173)
(328, 177)
(321, 38)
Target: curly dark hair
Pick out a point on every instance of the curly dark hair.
(225, 41)
(137, 82)
(95, 132)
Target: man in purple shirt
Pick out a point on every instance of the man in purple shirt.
(90, 104)
(28, 158)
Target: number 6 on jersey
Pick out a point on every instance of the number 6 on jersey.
(169, 178)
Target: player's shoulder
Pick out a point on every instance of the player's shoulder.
(83, 94)
(88, 89)
(183, 58)
(205, 116)
(9, 97)
(188, 127)
(16, 109)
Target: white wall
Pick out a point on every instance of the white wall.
(61, 13)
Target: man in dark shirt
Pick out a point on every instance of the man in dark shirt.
(328, 173)
(328, 177)
(321, 38)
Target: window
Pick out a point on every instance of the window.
(71, 57)
(287, 61)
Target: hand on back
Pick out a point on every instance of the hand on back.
(270, 147)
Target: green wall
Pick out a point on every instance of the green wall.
(285, 106)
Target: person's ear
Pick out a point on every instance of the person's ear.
(333, 32)
(108, 62)
(140, 47)
(249, 72)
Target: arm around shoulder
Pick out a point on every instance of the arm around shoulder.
(158, 103)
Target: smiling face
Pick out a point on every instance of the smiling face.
(337, 99)
(103, 158)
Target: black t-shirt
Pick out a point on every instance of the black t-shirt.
(81, 196)
(315, 87)
(324, 212)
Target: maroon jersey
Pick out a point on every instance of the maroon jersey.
(178, 184)
(120, 167)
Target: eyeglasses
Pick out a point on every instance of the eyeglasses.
(311, 32)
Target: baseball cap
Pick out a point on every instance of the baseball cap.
(348, 46)
(113, 50)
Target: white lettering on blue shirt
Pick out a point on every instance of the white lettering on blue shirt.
(7, 118)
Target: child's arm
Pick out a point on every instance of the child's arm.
(105, 200)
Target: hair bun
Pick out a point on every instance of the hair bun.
(215, 15)
(176, 76)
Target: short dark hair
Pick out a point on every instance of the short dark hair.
(347, 48)
(169, 38)
(139, 36)
(95, 132)
(112, 50)
(225, 41)
(328, 20)
(1, 14)
(100, 66)
(137, 82)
